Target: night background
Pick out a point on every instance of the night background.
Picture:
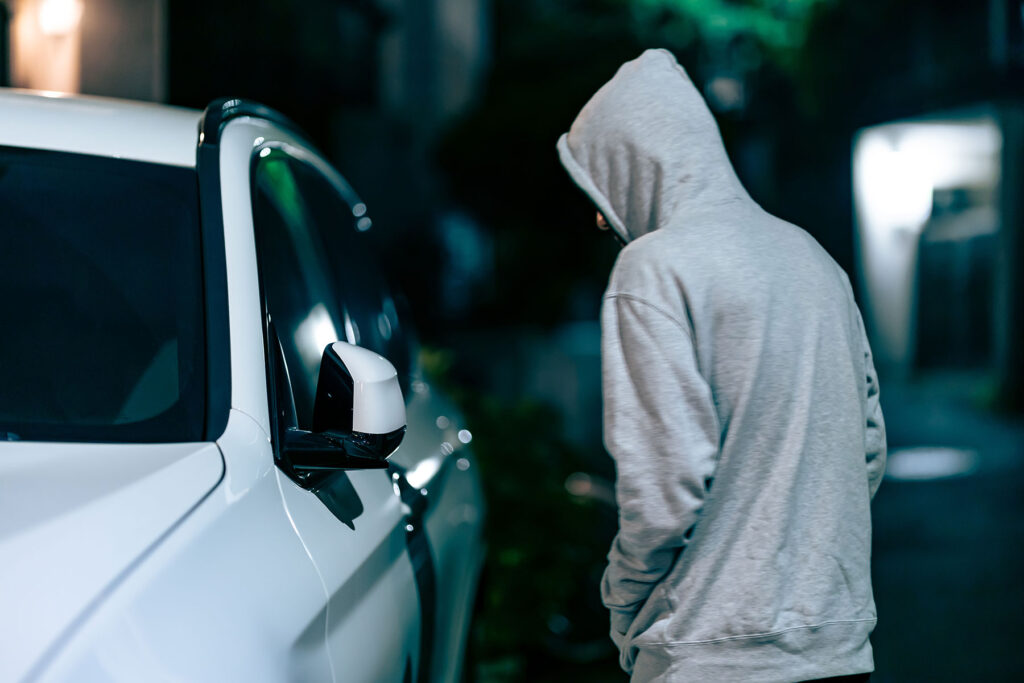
(890, 130)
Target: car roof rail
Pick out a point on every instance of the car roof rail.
(223, 109)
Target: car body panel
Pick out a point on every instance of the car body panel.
(73, 519)
(439, 463)
(373, 608)
(454, 512)
(245, 308)
(100, 126)
(231, 595)
(363, 564)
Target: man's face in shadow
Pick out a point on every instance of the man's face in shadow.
(603, 225)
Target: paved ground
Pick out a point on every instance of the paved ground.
(949, 553)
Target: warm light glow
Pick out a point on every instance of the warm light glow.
(582, 485)
(46, 55)
(59, 17)
(578, 484)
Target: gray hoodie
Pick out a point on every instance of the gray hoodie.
(740, 406)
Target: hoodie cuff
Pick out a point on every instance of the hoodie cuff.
(620, 623)
(618, 635)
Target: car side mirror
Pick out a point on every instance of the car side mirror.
(358, 393)
(358, 414)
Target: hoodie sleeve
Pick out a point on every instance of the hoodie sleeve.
(874, 423)
(662, 430)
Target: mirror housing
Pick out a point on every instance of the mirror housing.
(357, 391)
(358, 415)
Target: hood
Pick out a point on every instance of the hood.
(647, 150)
(74, 519)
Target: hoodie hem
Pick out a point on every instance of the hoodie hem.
(769, 634)
(833, 648)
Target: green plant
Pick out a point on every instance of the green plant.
(546, 547)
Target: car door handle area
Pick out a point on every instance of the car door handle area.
(417, 504)
(416, 499)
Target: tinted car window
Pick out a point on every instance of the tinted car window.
(298, 292)
(371, 313)
(100, 289)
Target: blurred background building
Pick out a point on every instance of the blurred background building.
(891, 130)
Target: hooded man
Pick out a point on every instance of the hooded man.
(740, 406)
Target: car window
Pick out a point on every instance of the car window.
(296, 286)
(371, 312)
(101, 295)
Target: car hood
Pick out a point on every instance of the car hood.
(74, 520)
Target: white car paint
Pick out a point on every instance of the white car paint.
(378, 406)
(369, 586)
(231, 595)
(100, 126)
(65, 537)
(205, 562)
(245, 316)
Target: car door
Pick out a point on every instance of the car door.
(352, 523)
(432, 468)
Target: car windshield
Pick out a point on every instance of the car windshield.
(101, 298)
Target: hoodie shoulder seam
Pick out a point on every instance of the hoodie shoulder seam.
(640, 300)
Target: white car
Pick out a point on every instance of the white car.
(196, 413)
